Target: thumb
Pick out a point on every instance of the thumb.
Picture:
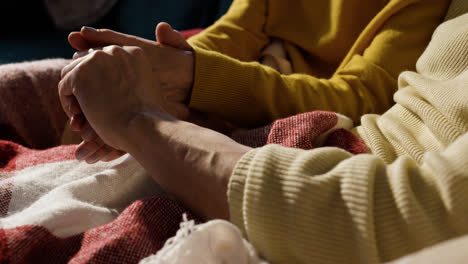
(89, 37)
(168, 36)
(77, 41)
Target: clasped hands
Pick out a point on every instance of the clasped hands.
(115, 76)
(128, 94)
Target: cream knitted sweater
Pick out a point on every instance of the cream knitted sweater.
(327, 206)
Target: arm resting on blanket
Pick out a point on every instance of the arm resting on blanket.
(299, 206)
(188, 161)
(304, 205)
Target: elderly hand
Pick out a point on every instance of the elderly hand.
(112, 86)
(116, 89)
(173, 73)
(171, 60)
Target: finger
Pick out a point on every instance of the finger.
(104, 37)
(168, 36)
(65, 85)
(65, 90)
(64, 102)
(73, 105)
(88, 134)
(115, 49)
(99, 154)
(70, 105)
(86, 149)
(70, 66)
(77, 122)
(114, 154)
(65, 97)
(83, 53)
(76, 40)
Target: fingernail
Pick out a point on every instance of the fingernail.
(90, 28)
(81, 154)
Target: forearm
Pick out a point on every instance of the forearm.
(190, 162)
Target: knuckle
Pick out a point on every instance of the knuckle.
(114, 50)
(62, 72)
(136, 50)
(98, 55)
(114, 47)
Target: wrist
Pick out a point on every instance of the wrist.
(141, 134)
(179, 154)
(175, 76)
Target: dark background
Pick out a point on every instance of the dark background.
(28, 33)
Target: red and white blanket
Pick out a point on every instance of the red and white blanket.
(55, 209)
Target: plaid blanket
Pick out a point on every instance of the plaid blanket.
(55, 209)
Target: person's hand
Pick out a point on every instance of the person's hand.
(115, 92)
(93, 149)
(175, 153)
(111, 87)
(173, 73)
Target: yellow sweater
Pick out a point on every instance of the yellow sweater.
(346, 55)
(326, 206)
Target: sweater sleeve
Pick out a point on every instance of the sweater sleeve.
(327, 206)
(250, 94)
(239, 33)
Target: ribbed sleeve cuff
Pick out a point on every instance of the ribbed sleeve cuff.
(221, 86)
(236, 189)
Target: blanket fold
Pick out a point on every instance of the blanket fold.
(80, 213)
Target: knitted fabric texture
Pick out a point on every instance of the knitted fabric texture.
(409, 193)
